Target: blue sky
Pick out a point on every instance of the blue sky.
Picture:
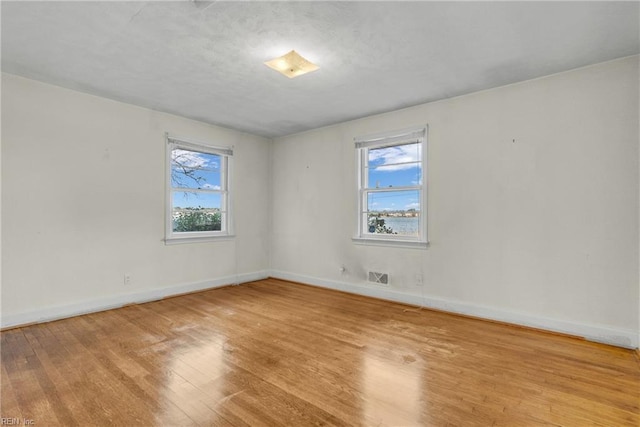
(392, 167)
(183, 199)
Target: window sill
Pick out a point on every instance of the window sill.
(197, 239)
(413, 244)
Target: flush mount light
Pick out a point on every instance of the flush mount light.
(292, 65)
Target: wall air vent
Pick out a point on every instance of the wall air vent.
(380, 278)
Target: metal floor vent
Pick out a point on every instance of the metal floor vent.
(382, 278)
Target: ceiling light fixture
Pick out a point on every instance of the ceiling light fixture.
(292, 65)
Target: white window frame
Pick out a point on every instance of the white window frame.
(389, 139)
(226, 155)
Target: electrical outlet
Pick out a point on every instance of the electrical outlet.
(127, 279)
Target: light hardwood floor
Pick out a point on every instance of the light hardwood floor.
(279, 353)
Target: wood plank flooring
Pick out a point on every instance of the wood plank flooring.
(274, 353)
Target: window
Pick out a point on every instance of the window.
(198, 199)
(391, 188)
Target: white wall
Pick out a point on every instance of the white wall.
(533, 205)
(542, 231)
(83, 203)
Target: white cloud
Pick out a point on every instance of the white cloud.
(414, 205)
(391, 156)
(191, 159)
(211, 187)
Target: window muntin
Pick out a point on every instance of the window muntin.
(198, 190)
(391, 191)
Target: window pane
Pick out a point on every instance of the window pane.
(393, 212)
(192, 169)
(196, 212)
(397, 166)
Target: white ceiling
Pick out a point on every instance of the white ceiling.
(204, 60)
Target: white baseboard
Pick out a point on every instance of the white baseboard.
(100, 304)
(597, 333)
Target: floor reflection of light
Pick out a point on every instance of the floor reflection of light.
(207, 357)
(194, 380)
(392, 390)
